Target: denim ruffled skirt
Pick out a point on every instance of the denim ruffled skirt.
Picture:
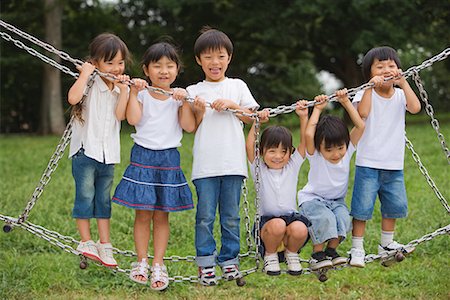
(154, 181)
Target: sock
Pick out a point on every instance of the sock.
(358, 242)
(387, 237)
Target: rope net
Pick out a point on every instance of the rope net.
(68, 243)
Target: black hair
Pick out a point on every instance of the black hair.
(273, 136)
(380, 53)
(332, 131)
(158, 50)
(212, 39)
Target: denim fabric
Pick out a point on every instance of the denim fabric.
(93, 183)
(389, 185)
(154, 181)
(329, 219)
(223, 192)
(288, 219)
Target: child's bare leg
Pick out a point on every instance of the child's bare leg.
(296, 235)
(359, 228)
(333, 243)
(388, 224)
(318, 247)
(142, 222)
(160, 235)
(160, 239)
(84, 228)
(103, 230)
(272, 234)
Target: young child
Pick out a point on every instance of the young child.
(95, 144)
(154, 184)
(329, 149)
(219, 164)
(280, 221)
(380, 155)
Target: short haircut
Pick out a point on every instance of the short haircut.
(273, 136)
(380, 53)
(105, 47)
(212, 39)
(156, 51)
(332, 131)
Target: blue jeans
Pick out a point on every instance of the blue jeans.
(329, 219)
(93, 183)
(225, 192)
(389, 185)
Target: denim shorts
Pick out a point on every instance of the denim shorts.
(288, 219)
(329, 219)
(389, 185)
(93, 183)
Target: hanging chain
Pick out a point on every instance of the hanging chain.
(424, 172)
(429, 110)
(257, 184)
(54, 160)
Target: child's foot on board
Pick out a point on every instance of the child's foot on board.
(357, 257)
(207, 275)
(89, 249)
(293, 263)
(336, 259)
(231, 272)
(139, 271)
(394, 246)
(105, 252)
(271, 264)
(159, 278)
(319, 260)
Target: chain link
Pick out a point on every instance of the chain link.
(424, 172)
(429, 110)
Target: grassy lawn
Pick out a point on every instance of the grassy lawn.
(31, 268)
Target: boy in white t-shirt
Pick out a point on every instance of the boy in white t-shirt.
(329, 149)
(280, 223)
(219, 165)
(380, 155)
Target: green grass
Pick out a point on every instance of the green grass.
(31, 268)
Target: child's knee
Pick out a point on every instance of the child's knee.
(297, 230)
(275, 226)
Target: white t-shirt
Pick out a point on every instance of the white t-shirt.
(219, 144)
(159, 127)
(382, 145)
(326, 180)
(99, 135)
(278, 188)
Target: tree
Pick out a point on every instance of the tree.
(52, 116)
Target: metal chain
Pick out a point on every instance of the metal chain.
(46, 46)
(429, 110)
(424, 172)
(42, 57)
(257, 184)
(54, 160)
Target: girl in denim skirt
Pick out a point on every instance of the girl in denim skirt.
(154, 184)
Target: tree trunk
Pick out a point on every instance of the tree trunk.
(52, 115)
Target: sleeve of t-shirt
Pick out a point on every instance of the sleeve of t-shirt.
(357, 98)
(247, 100)
(141, 96)
(297, 159)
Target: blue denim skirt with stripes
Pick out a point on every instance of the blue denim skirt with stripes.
(154, 181)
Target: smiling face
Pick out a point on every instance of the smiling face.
(162, 73)
(333, 153)
(276, 158)
(385, 68)
(214, 63)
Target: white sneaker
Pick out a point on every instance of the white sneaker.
(207, 276)
(89, 250)
(271, 264)
(357, 257)
(105, 252)
(293, 263)
(231, 272)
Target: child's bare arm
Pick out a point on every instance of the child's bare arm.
(134, 108)
(301, 110)
(358, 129)
(412, 102)
(76, 91)
(312, 122)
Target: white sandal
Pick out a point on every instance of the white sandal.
(159, 274)
(139, 269)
